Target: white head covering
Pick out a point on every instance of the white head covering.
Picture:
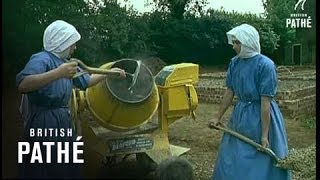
(59, 36)
(249, 38)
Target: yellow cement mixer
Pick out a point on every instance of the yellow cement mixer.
(125, 119)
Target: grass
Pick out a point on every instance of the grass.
(309, 122)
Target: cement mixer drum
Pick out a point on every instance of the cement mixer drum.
(135, 88)
(119, 106)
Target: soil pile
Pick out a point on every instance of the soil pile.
(302, 162)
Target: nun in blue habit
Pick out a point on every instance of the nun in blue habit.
(251, 77)
(46, 83)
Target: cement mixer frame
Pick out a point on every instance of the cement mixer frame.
(177, 97)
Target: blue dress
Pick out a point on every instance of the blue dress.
(47, 107)
(250, 79)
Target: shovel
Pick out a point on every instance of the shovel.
(135, 75)
(92, 70)
(280, 163)
(247, 140)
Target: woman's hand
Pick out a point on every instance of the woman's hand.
(265, 142)
(67, 70)
(121, 72)
(214, 122)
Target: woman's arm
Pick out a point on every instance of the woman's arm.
(265, 120)
(36, 81)
(226, 102)
(96, 78)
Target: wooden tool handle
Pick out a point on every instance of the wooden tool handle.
(248, 140)
(92, 70)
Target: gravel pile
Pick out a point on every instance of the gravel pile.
(302, 162)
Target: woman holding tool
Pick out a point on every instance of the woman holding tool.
(46, 83)
(252, 77)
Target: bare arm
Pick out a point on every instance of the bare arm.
(95, 79)
(226, 102)
(265, 119)
(36, 81)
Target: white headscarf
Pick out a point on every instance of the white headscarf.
(59, 36)
(249, 38)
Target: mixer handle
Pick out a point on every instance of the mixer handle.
(92, 70)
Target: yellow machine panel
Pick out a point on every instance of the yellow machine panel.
(178, 74)
(179, 97)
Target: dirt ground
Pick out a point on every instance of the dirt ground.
(185, 132)
(204, 142)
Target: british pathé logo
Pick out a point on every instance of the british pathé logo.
(299, 20)
(298, 3)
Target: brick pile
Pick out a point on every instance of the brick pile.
(296, 92)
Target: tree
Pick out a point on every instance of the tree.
(276, 13)
(25, 22)
(269, 39)
(177, 8)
